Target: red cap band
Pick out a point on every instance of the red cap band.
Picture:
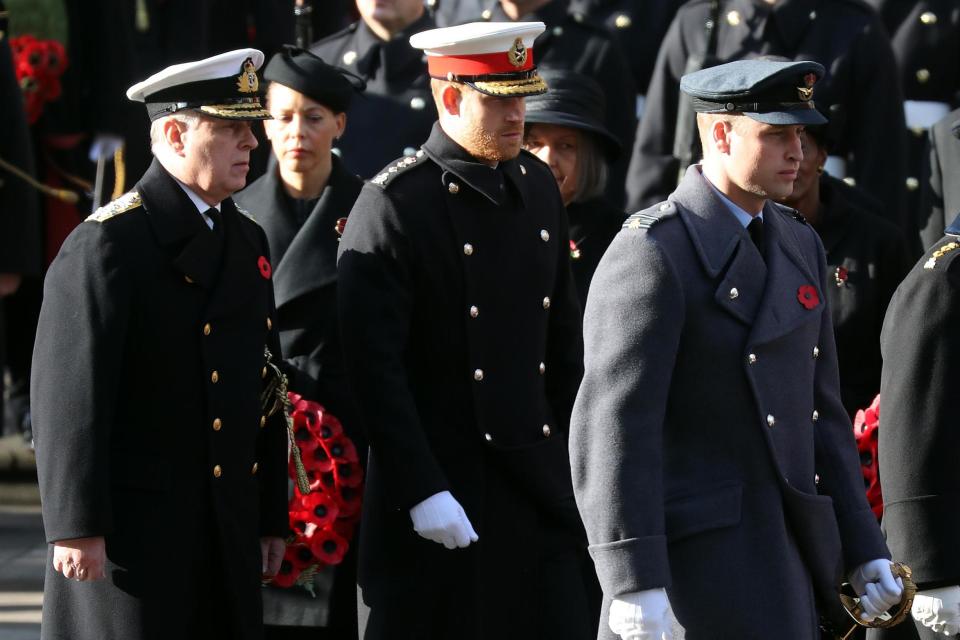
(478, 64)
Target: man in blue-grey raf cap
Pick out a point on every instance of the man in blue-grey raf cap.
(713, 463)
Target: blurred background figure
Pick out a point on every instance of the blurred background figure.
(302, 202)
(396, 113)
(866, 259)
(940, 199)
(858, 91)
(564, 128)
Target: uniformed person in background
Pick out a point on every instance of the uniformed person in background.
(564, 128)
(858, 92)
(162, 479)
(571, 42)
(302, 203)
(866, 260)
(461, 333)
(940, 188)
(919, 437)
(926, 42)
(710, 363)
(394, 115)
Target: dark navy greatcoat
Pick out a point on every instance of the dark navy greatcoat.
(303, 242)
(708, 407)
(461, 334)
(940, 201)
(920, 430)
(593, 225)
(147, 375)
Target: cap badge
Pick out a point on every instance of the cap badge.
(517, 53)
(806, 93)
(248, 82)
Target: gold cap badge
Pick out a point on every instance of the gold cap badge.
(806, 93)
(248, 82)
(517, 53)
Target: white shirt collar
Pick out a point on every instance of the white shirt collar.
(199, 203)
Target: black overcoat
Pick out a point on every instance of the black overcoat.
(709, 404)
(858, 90)
(395, 112)
(460, 326)
(149, 430)
(593, 224)
(305, 285)
(941, 188)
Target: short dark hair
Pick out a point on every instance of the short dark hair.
(593, 170)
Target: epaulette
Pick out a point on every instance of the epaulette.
(127, 202)
(649, 217)
(931, 263)
(383, 179)
(789, 212)
(245, 213)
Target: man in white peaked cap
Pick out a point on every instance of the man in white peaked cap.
(461, 331)
(163, 480)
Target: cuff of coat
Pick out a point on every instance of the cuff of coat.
(861, 538)
(635, 564)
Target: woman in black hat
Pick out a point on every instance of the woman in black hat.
(564, 128)
(302, 203)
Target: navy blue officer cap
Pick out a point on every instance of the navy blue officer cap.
(767, 91)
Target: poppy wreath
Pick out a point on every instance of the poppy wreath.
(866, 426)
(322, 522)
(38, 65)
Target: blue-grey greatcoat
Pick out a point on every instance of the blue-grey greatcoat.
(709, 405)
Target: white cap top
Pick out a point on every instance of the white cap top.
(475, 38)
(223, 65)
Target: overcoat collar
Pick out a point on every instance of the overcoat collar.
(790, 19)
(488, 181)
(396, 55)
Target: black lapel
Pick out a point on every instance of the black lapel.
(245, 265)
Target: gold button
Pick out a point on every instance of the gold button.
(474, 311)
(752, 358)
(417, 103)
(269, 324)
(263, 421)
(263, 372)
(217, 471)
(544, 235)
(488, 437)
(734, 294)
(543, 368)
(546, 431)
(912, 184)
(928, 18)
(623, 21)
(771, 420)
(487, 14)
(816, 352)
(923, 75)
(214, 377)
(816, 415)
(546, 302)
(253, 471)
(188, 279)
(217, 424)
(453, 187)
(468, 249)
(478, 375)
(558, 31)
(207, 329)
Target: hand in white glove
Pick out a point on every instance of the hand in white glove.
(938, 609)
(441, 518)
(642, 615)
(104, 145)
(878, 589)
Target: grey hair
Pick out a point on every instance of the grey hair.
(592, 168)
(188, 118)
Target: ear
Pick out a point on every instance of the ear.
(450, 97)
(173, 133)
(341, 120)
(720, 135)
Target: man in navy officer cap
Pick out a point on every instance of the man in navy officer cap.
(710, 402)
(162, 477)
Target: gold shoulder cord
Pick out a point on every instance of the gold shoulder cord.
(274, 398)
(852, 605)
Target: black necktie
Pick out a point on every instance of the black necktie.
(214, 216)
(755, 229)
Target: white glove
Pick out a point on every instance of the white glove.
(938, 609)
(441, 518)
(104, 145)
(642, 615)
(878, 589)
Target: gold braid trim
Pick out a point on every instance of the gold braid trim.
(529, 86)
(61, 194)
(274, 398)
(119, 173)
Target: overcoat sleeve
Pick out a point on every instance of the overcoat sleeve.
(632, 328)
(77, 368)
(375, 299)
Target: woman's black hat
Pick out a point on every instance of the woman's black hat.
(307, 73)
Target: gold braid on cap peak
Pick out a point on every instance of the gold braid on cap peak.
(235, 110)
(512, 87)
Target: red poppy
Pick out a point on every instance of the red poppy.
(347, 474)
(329, 427)
(319, 508)
(340, 226)
(302, 435)
(840, 276)
(865, 426)
(807, 295)
(349, 501)
(574, 251)
(264, 265)
(340, 449)
(328, 546)
(291, 566)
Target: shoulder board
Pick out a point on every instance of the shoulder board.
(244, 212)
(649, 217)
(939, 252)
(127, 202)
(790, 212)
(384, 178)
